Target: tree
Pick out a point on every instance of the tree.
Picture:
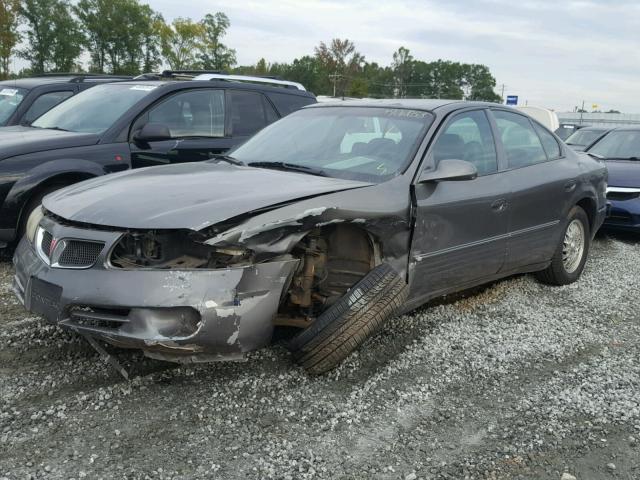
(215, 55)
(151, 37)
(9, 36)
(54, 39)
(341, 59)
(481, 83)
(181, 43)
(402, 69)
(123, 36)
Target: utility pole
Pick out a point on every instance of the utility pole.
(334, 78)
(502, 91)
(581, 112)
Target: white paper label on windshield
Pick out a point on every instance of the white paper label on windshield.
(145, 88)
(8, 92)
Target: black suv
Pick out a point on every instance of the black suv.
(25, 99)
(137, 123)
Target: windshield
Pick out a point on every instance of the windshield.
(584, 137)
(95, 109)
(10, 98)
(619, 144)
(357, 143)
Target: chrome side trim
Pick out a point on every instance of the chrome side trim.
(420, 257)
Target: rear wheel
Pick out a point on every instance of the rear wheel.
(571, 255)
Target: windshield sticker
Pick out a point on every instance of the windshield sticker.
(402, 113)
(8, 92)
(144, 88)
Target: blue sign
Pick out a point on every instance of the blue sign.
(512, 99)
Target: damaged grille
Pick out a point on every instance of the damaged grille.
(79, 253)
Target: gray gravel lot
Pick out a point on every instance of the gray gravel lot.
(516, 380)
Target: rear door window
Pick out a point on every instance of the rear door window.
(44, 103)
(250, 112)
(287, 104)
(522, 145)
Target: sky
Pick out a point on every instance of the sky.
(551, 53)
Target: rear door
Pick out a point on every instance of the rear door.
(460, 234)
(542, 181)
(196, 120)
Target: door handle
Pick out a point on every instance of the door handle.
(499, 205)
(570, 186)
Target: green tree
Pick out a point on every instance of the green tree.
(181, 43)
(151, 37)
(262, 68)
(54, 39)
(358, 88)
(343, 62)
(9, 36)
(123, 36)
(215, 55)
(380, 80)
(402, 70)
(481, 83)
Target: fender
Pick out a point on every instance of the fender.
(32, 180)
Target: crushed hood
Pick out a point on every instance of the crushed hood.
(189, 195)
(624, 173)
(24, 140)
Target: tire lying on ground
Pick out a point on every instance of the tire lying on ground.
(346, 324)
(571, 255)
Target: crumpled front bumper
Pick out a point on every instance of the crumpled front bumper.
(177, 315)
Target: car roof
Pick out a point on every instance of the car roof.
(217, 83)
(32, 82)
(429, 104)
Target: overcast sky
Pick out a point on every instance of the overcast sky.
(552, 53)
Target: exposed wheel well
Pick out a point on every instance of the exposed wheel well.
(61, 180)
(590, 208)
(332, 260)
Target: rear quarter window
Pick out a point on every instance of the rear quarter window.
(549, 143)
(286, 104)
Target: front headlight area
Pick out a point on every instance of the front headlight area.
(32, 223)
(177, 249)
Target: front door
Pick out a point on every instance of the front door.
(460, 233)
(196, 121)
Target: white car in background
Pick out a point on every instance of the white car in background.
(546, 117)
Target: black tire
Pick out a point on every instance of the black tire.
(556, 273)
(31, 205)
(356, 316)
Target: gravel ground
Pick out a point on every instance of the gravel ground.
(516, 380)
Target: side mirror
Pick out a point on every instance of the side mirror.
(152, 132)
(450, 169)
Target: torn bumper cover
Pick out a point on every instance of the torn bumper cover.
(177, 315)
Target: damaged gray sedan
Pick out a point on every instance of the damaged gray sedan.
(322, 226)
